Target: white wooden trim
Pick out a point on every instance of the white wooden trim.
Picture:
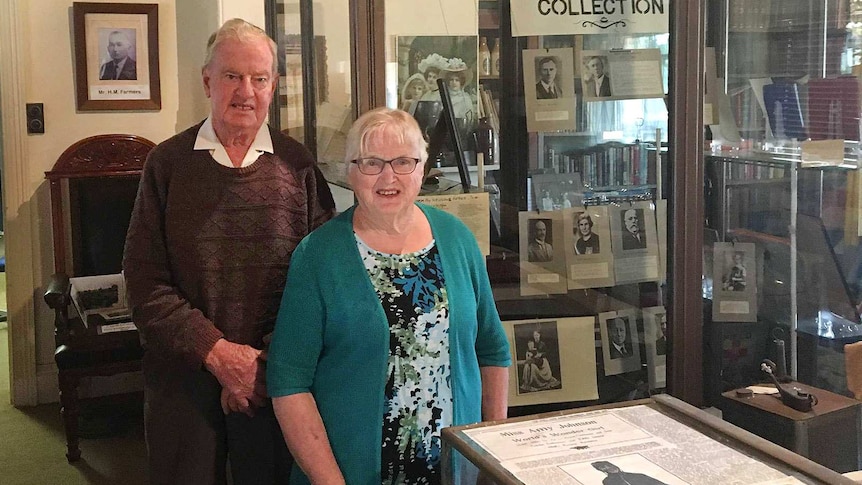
(17, 209)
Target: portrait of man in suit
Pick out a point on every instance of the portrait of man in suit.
(540, 251)
(598, 82)
(122, 65)
(548, 86)
(633, 234)
(620, 346)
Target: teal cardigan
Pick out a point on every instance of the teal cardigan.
(332, 337)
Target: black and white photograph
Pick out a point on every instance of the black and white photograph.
(632, 469)
(734, 290)
(548, 360)
(555, 191)
(542, 253)
(620, 347)
(589, 261)
(423, 60)
(119, 61)
(538, 350)
(116, 56)
(656, 345)
(620, 74)
(548, 84)
(634, 242)
(634, 233)
(596, 77)
(549, 88)
(539, 249)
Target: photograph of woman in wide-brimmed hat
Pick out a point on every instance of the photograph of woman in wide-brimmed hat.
(412, 92)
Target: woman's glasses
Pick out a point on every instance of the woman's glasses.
(374, 166)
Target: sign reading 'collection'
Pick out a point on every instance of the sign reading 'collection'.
(548, 17)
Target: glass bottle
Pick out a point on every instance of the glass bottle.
(484, 57)
(495, 59)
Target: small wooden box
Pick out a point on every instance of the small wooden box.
(829, 434)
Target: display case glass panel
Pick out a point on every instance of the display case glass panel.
(781, 177)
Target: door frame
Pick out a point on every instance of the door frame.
(18, 221)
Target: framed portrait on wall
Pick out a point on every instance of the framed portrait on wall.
(116, 56)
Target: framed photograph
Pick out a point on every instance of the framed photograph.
(634, 242)
(620, 349)
(734, 291)
(655, 343)
(587, 235)
(116, 56)
(424, 59)
(621, 74)
(543, 259)
(550, 360)
(549, 93)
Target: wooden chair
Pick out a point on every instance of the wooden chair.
(95, 182)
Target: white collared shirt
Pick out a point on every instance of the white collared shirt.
(599, 82)
(207, 140)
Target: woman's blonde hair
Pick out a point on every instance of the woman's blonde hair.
(392, 121)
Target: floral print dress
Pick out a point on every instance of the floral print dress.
(418, 400)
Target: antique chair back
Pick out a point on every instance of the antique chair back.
(95, 182)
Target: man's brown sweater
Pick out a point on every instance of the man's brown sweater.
(208, 246)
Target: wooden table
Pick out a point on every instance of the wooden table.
(829, 434)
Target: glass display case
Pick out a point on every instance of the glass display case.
(567, 135)
(782, 190)
(567, 166)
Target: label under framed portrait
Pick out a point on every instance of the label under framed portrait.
(116, 56)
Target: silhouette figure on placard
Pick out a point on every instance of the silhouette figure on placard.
(615, 476)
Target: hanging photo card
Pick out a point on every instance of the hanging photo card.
(635, 245)
(549, 92)
(621, 74)
(655, 344)
(553, 360)
(589, 261)
(734, 291)
(620, 349)
(560, 17)
(472, 209)
(543, 260)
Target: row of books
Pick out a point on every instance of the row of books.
(759, 15)
(751, 171)
(489, 107)
(819, 109)
(605, 165)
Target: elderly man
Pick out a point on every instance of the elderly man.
(620, 347)
(121, 66)
(633, 235)
(540, 251)
(220, 209)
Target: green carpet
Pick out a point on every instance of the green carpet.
(33, 445)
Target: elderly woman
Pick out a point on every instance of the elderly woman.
(387, 331)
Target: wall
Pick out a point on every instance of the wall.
(49, 79)
(44, 72)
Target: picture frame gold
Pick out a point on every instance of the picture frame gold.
(116, 56)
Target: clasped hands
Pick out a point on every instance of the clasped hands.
(241, 370)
